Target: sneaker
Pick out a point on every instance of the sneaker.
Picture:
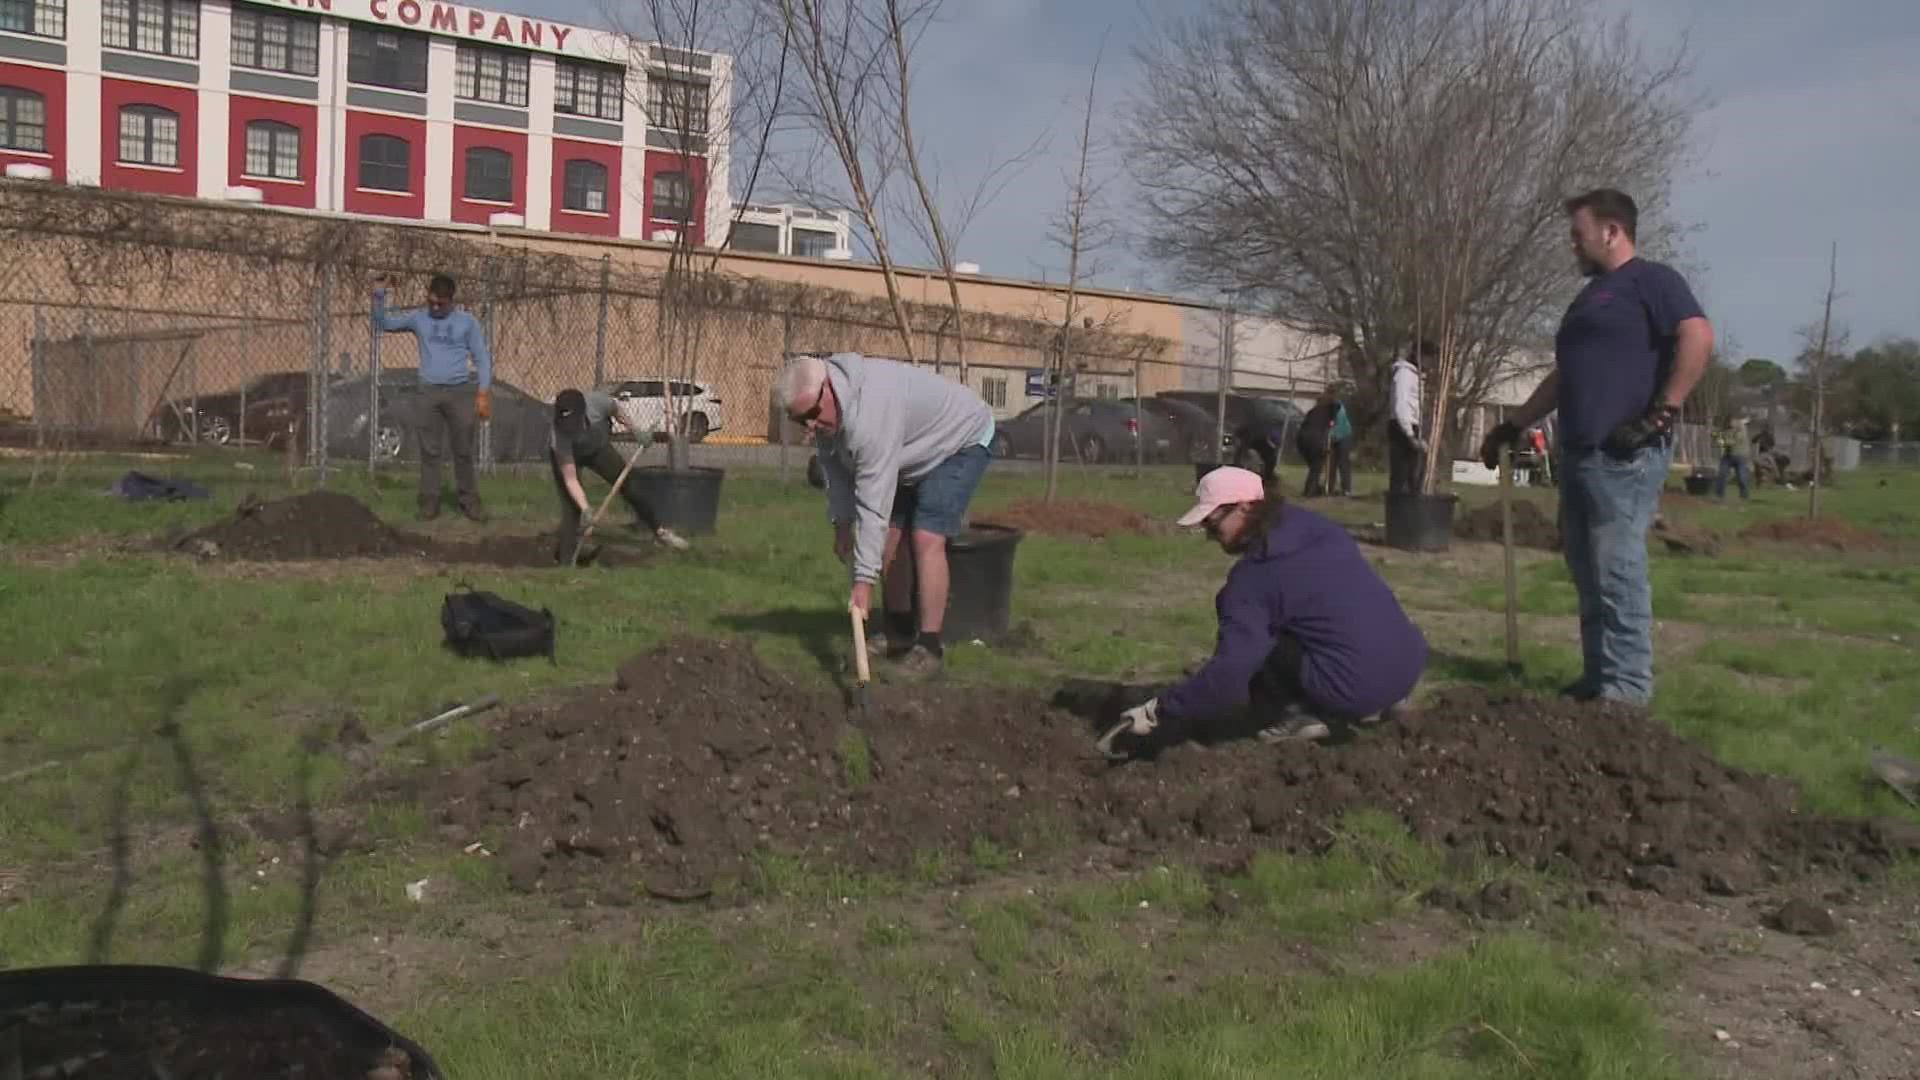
(669, 539)
(1296, 727)
(920, 662)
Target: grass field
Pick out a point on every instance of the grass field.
(180, 701)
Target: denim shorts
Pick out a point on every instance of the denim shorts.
(937, 502)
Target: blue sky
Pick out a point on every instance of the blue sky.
(1813, 137)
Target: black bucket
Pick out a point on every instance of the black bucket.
(1700, 483)
(1202, 468)
(1418, 522)
(979, 582)
(134, 1020)
(687, 502)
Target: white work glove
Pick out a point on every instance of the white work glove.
(1139, 721)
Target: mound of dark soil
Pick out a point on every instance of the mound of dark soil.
(1070, 517)
(1532, 527)
(699, 757)
(331, 525)
(1830, 533)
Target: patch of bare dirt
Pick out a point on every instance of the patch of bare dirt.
(1831, 534)
(700, 757)
(1532, 526)
(1071, 517)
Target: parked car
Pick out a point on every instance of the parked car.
(1195, 425)
(214, 419)
(520, 431)
(1092, 430)
(649, 397)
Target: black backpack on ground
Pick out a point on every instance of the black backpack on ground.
(480, 623)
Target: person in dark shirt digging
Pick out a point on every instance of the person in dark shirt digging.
(583, 435)
(1310, 636)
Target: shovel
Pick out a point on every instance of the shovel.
(1506, 542)
(1897, 773)
(594, 522)
(862, 675)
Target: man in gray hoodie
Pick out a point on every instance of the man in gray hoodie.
(903, 450)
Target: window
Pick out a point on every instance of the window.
(812, 243)
(385, 162)
(23, 120)
(489, 175)
(1107, 391)
(391, 58)
(273, 150)
(595, 90)
(677, 105)
(165, 27)
(47, 18)
(994, 391)
(585, 187)
(754, 236)
(672, 198)
(149, 135)
(271, 41)
(496, 75)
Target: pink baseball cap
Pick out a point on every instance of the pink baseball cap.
(1223, 487)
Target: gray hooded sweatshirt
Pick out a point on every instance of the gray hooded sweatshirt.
(897, 424)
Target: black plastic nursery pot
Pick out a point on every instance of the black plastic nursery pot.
(686, 501)
(1417, 522)
(1699, 483)
(114, 1021)
(979, 582)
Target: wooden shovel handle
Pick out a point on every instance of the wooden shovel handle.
(860, 646)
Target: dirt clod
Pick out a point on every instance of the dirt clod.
(1069, 517)
(708, 760)
(1802, 918)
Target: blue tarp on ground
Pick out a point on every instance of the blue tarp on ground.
(139, 487)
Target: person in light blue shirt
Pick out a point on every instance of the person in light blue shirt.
(452, 398)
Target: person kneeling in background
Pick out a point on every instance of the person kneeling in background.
(1310, 635)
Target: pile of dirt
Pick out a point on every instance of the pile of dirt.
(1830, 533)
(700, 757)
(1532, 528)
(331, 525)
(1070, 517)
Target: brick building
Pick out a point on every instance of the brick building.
(413, 109)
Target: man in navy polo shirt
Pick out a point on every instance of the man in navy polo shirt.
(1630, 348)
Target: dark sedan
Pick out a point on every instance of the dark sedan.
(1093, 430)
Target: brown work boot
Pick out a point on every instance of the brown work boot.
(470, 506)
(429, 507)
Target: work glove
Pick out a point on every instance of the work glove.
(1139, 722)
(1505, 435)
(483, 405)
(1635, 435)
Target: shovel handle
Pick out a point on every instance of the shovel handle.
(861, 672)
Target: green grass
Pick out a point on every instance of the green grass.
(166, 689)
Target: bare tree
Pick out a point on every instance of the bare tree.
(1375, 170)
(708, 119)
(843, 53)
(1083, 231)
(1819, 361)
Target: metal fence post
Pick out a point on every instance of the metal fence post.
(1225, 376)
(373, 394)
(786, 357)
(40, 402)
(323, 356)
(600, 331)
(1139, 425)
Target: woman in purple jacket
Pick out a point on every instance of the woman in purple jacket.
(1310, 636)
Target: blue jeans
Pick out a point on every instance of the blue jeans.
(937, 502)
(1607, 504)
(1737, 465)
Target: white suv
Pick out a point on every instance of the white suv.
(645, 400)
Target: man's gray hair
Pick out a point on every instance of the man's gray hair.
(799, 383)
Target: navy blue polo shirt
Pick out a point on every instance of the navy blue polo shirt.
(1615, 348)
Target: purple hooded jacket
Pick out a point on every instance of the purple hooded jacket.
(1359, 651)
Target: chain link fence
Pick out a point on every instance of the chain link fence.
(127, 321)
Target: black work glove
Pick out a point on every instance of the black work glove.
(1631, 437)
(1505, 435)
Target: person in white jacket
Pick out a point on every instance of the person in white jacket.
(903, 450)
(1406, 449)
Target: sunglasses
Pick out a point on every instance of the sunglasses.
(813, 414)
